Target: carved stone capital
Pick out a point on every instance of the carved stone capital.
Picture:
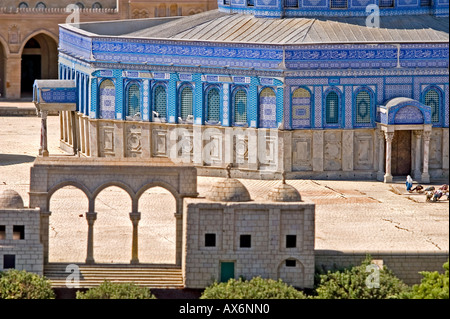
(418, 133)
(426, 136)
(389, 136)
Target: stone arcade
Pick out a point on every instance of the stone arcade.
(269, 86)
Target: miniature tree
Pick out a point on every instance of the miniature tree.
(256, 288)
(20, 284)
(354, 283)
(110, 290)
(433, 285)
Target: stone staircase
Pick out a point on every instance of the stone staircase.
(151, 276)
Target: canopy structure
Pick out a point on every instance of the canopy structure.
(53, 95)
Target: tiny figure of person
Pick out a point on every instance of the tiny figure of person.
(418, 188)
(409, 183)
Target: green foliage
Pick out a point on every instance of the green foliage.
(20, 284)
(350, 283)
(433, 286)
(256, 288)
(109, 290)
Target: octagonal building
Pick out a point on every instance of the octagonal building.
(345, 89)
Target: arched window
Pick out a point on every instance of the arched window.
(80, 5)
(133, 99)
(250, 3)
(332, 108)
(301, 108)
(363, 107)
(213, 106)
(433, 100)
(96, 5)
(186, 104)
(107, 105)
(338, 4)
(240, 107)
(160, 101)
(267, 108)
(23, 5)
(41, 5)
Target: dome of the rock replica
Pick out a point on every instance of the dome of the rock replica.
(10, 199)
(228, 190)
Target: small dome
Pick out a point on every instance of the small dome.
(10, 199)
(228, 190)
(283, 192)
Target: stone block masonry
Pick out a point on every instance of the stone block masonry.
(22, 248)
(405, 265)
(267, 239)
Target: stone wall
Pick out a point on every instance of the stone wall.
(405, 265)
(255, 153)
(267, 223)
(28, 251)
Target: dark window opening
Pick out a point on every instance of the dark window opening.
(18, 232)
(210, 240)
(2, 232)
(9, 261)
(291, 241)
(290, 263)
(245, 241)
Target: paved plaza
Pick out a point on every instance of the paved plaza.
(350, 215)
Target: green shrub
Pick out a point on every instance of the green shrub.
(110, 290)
(350, 283)
(433, 285)
(20, 284)
(256, 288)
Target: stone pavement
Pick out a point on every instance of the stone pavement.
(350, 215)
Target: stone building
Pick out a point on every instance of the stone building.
(29, 33)
(20, 245)
(229, 236)
(305, 88)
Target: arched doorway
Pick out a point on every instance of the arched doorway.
(67, 225)
(405, 126)
(39, 61)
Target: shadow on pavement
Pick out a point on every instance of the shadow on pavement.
(13, 159)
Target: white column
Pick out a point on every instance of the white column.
(388, 174)
(417, 173)
(426, 156)
(380, 173)
(43, 151)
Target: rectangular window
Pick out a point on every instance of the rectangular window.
(245, 241)
(18, 232)
(2, 232)
(338, 4)
(9, 261)
(250, 3)
(386, 3)
(210, 240)
(291, 241)
(290, 263)
(425, 3)
(226, 2)
(291, 4)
